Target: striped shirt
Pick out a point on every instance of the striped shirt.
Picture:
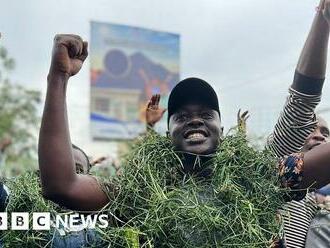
(297, 216)
(296, 122)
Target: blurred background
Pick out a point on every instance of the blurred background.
(246, 49)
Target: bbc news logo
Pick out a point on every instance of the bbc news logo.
(44, 221)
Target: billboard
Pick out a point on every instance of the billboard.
(128, 65)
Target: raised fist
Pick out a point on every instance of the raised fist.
(69, 53)
(324, 6)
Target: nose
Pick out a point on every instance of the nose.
(318, 136)
(195, 122)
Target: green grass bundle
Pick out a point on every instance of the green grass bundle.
(25, 196)
(157, 205)
(236, 207)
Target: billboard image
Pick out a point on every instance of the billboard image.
(128, 65)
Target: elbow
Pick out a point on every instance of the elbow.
(59, 194)
(55, 190)
(54, 194)
(50, 194)
(59, 198)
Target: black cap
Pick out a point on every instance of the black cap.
(192, 90)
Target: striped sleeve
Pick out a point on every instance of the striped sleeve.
(296, 217)
(297, 119)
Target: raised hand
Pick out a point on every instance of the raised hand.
(98, 161)
(241, 120)
(154, 113)
(69, 53)
(324, 7)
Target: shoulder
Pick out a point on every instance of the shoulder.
(109, 187)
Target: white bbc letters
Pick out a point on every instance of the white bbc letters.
(19, 221)
(3, 221)
(41, 221)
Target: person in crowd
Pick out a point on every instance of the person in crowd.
(4, 192)
(318, 235)
(82, 192)
(298, 128)
(61, 184)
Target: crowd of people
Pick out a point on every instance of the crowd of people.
(299, 142)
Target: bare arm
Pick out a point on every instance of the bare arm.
(60, 182)
(297, 119)
(312, 60)
(316, 169)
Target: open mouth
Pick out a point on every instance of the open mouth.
(195, 136)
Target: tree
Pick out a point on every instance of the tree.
(18, 114)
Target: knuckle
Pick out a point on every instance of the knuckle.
(77, 39)
(58, 37)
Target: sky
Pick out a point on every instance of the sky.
(246, 49)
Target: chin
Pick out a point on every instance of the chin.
(198, 150)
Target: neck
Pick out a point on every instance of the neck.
(197, 165)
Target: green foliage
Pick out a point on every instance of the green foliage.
(25, 196)
(157, 205)
(236, 207)
(18, 112)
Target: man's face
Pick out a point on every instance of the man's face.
(318, 137)
(196, 129)
(81, 162)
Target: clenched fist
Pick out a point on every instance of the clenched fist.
(69, 53)
(324, 7)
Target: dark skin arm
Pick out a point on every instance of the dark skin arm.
(316, 167)
(60, 183)
(313, 58)
(309, 77)
(316, 161)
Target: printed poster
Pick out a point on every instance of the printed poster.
(128, 65)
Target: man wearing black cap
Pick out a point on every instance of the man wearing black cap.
(194, 118)
(194, 126)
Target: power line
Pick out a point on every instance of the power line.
(260, 78)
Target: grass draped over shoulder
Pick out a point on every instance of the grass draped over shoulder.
(160, 207)
(157, 206)
(25, 196)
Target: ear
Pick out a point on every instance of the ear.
(167, 134)
(221, 135)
